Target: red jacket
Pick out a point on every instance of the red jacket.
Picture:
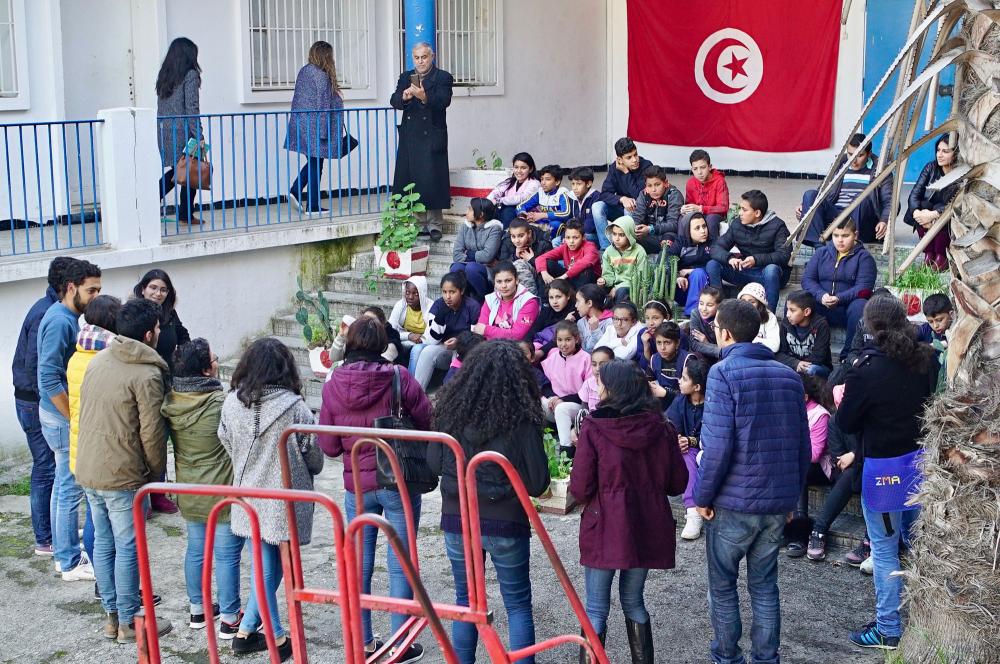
(712, 196)
(575, 261)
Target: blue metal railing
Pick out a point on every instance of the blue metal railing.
(257, 159)
(49, 192)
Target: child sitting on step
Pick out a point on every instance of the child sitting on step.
(558, 308)
(701, 333)
(567, 368)
(655, 313)
(522, 245)
(819, 407)
(804, 337)
(477, 246)
(685, 413)
(593, 315)
(666, 366)
(549, 208)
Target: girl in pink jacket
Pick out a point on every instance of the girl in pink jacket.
(567, 367)
(510, 310)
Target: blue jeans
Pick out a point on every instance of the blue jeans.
(730, 537)
(865, 216)
(271, 556)
(885, 556)
(115, 564)
(631, 583)
(478, 277)
(391, 504)
(307, 185)
(68, 494)
(697, 280)
(845, 317)
(43, 472)
(430, 358)
(226, 551)
(602, 214)
(772, 277)
(512, 560)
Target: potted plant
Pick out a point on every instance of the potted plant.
(476, 181)
(557, 499)
(396, 256)
(914, 285)
(313, 315)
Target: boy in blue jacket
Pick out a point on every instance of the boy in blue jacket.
(755, 457)
(549, 207)
(624, 183)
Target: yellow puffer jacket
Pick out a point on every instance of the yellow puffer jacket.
(89, 342)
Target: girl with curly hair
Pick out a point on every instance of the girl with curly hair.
(476, 408)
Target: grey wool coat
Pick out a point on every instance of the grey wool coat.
(250, 435)
(174, 133)
(315, 134)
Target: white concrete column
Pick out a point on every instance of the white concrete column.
(130, 170)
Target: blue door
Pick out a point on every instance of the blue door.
(887, 22)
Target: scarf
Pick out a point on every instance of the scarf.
(196, 384)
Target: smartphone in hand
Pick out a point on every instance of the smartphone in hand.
(415, 80)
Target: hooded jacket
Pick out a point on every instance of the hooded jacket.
(712, 195)
(689, 255)
(89, 341)
(849, 277)
(398, 316)
(357, 393)
(500, 512)
(624, 470)
(25, 365)
(509, 319)
(624, 348)
(765, 241)
(193, 409)
(810, 343)
(755, 440)
(509, 193)
(617, 266)
(122, 442)
(628, 184)
(250, 436)
(477, 243)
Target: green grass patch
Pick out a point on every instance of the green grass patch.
(82, 607)
(13, 546)
(170, 531)
(22, 487)
(20, 578)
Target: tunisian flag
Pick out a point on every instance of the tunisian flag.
(751, 74)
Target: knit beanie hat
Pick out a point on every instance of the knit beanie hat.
(756, 291)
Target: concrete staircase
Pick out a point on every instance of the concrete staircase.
(347, 293)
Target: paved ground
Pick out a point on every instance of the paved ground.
(60, 622)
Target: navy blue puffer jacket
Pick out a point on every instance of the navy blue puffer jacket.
(754, 434)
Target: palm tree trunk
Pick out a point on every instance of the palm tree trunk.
(953, 580)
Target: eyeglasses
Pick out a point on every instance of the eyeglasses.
(156, 289)
(621, 320)
(715, 325)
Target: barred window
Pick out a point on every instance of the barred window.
(468, 41)
(281, 32)
(8, 50)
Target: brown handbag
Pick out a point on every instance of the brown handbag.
(193, 172)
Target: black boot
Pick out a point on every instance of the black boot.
(640, 641)
(584, 658)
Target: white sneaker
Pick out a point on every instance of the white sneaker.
(692, 525)
(58, 567)
(868, 566)
(82, 572)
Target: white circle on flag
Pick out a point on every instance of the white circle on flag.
(729, 66)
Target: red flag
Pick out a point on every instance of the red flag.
(757, 75)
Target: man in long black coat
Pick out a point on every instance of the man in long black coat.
(422, 156)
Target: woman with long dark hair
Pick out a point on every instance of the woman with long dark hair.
(884, 398)
(315, 135)
(156, 285)
(177, 87)
(926, 205)
(358, 393)
(265, 399)
(493, 403)
(625, 467)
(516, 189)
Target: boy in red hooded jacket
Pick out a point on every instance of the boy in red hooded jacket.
(706, 192)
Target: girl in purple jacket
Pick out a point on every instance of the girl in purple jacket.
(623, 472)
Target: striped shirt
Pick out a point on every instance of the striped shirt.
(853, 184)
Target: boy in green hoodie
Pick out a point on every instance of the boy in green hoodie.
(622, 258)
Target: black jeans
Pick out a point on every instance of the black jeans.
(844, 486)
(182, 200)
(556, 269)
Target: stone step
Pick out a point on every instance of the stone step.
(312, 387)
(355, 281)
(340, 304)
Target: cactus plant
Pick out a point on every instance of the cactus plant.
(318, 318)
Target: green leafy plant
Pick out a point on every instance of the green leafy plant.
(560, 465)
(371, 278)
(922, 277)
(399, 221)
(495, 161)
(314, 317)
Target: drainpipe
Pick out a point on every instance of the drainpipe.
(420, 25)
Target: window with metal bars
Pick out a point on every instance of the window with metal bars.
(281, 32)
(468, 41)
(8, 50)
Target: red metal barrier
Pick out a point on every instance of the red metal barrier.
(348, 596)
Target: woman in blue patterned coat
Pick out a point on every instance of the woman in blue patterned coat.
(312, 130)
(177, 86)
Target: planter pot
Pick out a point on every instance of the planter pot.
(319, 363)
(475, 182)
(557, 500)
(403, 264)
(559, 488)
(913, 300)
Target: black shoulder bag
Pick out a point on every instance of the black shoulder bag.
(412, 455)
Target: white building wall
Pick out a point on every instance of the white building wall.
(847, 106)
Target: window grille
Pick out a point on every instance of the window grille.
(8, 52)
(281, 32)
(468, 44)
